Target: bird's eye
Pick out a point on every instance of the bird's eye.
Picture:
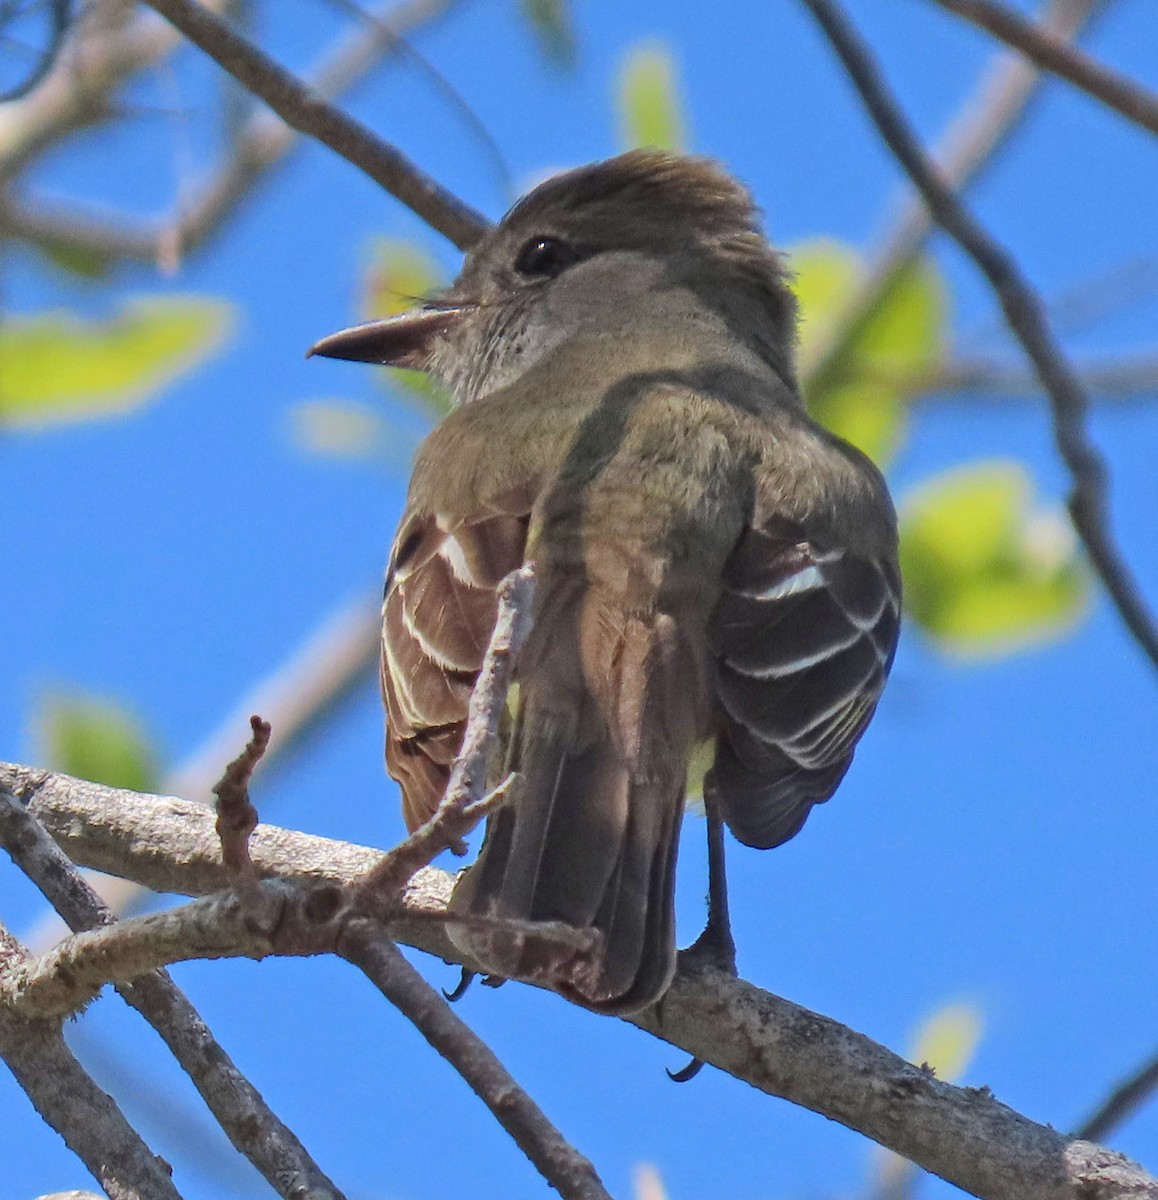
(545, 257)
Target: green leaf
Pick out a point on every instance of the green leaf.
(98, 739)
(986, 573)
(83, 261)
(400, 275)
(58, 367)
(948, 1039)
(650, 112)
(862, 397)
(550, 20)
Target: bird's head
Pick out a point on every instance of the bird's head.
(594, 250)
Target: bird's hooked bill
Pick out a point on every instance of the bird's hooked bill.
(403, 340)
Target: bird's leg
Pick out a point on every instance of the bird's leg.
(715, 946)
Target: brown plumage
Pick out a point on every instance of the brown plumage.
(709, 562)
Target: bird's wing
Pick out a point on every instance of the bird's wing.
(437, 617)
(804, 637)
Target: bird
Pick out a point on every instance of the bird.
(712, 567)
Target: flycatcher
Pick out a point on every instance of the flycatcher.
(710, 563)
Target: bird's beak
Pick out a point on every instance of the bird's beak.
(404, 340)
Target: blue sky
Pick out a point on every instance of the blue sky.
(996, 839)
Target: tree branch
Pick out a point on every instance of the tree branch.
(1125, 96)
(554, 1157)
(67, 1097)
(252, 1127)
(1129, 1095)
(961, 1134)
(260, 144)
(1025, 315)
(1125, 379)
(986, 121)
(306, 111)
(280, 917)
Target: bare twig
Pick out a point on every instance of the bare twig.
(108, 42)
(986, 121)
(961, 1134)
(46, 57)
(568, 1171)
(1025, 314)
(1125, 380)
(1125, 96)
(464, 804)
(1128, 1096)
(305, 110)
(248, 1122)
(280, 917)
(259, 145)
(236, 816)
(67, 1097)
(338, 657)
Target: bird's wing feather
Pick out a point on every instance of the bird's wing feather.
(437, 617)
(804, 636)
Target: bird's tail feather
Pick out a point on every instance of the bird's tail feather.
(588, 840)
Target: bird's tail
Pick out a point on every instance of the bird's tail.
(588, 839)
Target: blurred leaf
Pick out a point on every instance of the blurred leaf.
(58, 367)
(862, 398)
(550, 20)
(98, 739)
(948, 1039)
(338, 429)
(984, 573)
(400, 276)
(650, 112)
(83, 261)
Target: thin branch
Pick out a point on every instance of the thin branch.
(568, 1171)
(961, 1134)
(108, 43)
(464, 805)
(331, 663)
(279, 917)
(58, 26)
(1126, 379)
(261, 143)
(1121, 1103)
(69, 1100)
(236, 816)
(1025, 314)
(306, 111)
(252, 1127)
(1125, 96)
(986, 121)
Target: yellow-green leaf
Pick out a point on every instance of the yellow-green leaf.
(862, 394)
(650, 111)
(399, 277)
(869, 415)
(947, 1040)
(551, 22)
(95, 738)
(59, 367)
(985, 572)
